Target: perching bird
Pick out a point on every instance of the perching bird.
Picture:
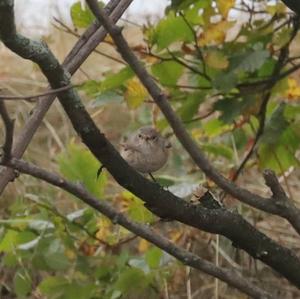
(146, 150)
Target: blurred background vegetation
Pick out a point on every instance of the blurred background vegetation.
(53, 246)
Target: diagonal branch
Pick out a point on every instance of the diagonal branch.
(293, 5)
(9, 132)
(82, 49)
(46, 93)
(63, 27)
(290, 212)
(165, 204)
(231, 277)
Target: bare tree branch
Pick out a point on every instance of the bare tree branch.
(69, 30)
(82, 49)
(293, 5)
(9, 132)
(290, 212)
(162, 202)
(46, 93)
(273, 183)
(231, 277)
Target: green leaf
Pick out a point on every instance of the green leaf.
(55, 256)
(190, 105)
(78, 291)
(81, 18)
(214, 127)
(91, 88)
(78, 164)
(279, 158)
(116, 80)
(53, 287)
(105, 90)
(218, 150)
(22, 283)
(267, 68)
(279, 143)
(168, 72)
(191, 12)
(108, 97)
(26, 238)
(9, 241)
(225, 81)
(153, 257)
(136, 209)
(275, 126)
(171, 29)
(250, 61)
(129, 280)
(57, 261)
(10, 259)
(233, 107)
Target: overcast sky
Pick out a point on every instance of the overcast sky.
(34, 16)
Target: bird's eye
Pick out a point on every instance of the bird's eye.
(140, 136)
(153, 137)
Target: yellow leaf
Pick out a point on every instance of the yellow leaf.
(135, 93)
(214, 34)
(176, 235)
(279, 8)
(293, 91)
(109, 40)
(104, 231)
(207, 14)
(224, 6)
(143, 245)
(197, 134)
(216, 59)
(70, 254)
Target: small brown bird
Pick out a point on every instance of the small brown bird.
(146, 150)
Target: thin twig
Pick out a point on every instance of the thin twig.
(196, 42)
(45, 93)
(189, 67)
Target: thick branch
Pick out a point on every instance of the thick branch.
(233, 278)
(265, 204)
(294, 5)
(273, 183)
(9, 132)
(82, 49)
(163, 203)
